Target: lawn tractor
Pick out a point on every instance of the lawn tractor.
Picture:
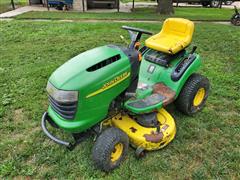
(235, 20)
(119, 94)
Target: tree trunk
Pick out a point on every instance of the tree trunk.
(12, 3)
(165, 7)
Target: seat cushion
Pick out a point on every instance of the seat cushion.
(176, 34)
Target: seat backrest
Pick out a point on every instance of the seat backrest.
(179, 27)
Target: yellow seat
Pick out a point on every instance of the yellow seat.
(176, 34)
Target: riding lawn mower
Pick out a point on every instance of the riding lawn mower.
(119, 94)
(235, 20)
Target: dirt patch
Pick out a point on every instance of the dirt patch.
(22, 177)
(18, 116)
(18, 136)
(35, 130)
(31, 160)
(45, 104)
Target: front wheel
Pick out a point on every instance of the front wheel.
(193, 95)
(110, 149)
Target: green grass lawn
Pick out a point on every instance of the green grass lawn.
(5, 5)
(206, 145)
(139, 14)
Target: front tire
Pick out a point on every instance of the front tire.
(110, 149)
(193, 95)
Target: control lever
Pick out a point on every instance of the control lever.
(186, 59)
(193, 49)
(183, 65)
(191, 53)
(156, 123)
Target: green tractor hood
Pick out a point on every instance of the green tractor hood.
(75, 70)
(99, 75)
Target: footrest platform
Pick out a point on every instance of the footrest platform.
(146, 104)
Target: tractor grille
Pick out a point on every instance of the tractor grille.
(65, 110)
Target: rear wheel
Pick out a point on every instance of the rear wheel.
(228, 2)
(193, 95)
(235, 21)
(214, 4)
(110, 149)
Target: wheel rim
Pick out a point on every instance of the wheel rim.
(238, 23)
(215, 3)
(117, 152)
(198, 99)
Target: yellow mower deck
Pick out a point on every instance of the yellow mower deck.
(144, 137)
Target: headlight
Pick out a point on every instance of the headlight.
(60, 95)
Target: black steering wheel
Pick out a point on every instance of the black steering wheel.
(143, 31)
(135, 37)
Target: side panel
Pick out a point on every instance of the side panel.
(163, 74)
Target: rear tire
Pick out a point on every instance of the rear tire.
(193, 95)
(110, 149)
(214, 4)
(235, 21)
(228, 3)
